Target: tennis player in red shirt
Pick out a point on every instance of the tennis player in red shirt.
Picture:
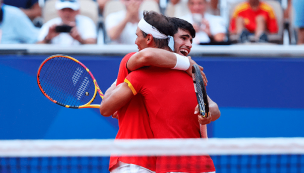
(132, 117)
(107, 109)
(254, 17)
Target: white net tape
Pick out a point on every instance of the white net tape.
(213, 146)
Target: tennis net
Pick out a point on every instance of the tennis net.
(89, 156)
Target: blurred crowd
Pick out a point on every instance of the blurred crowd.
(217, 22)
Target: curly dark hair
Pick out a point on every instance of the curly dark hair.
(181, 24)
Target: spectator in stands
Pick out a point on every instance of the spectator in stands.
(101, 5)
(121, 26)
(29, 7)
(212, 6)
(15, 26)
(253, 17)
(209, 28)
(299, 19)
(69, 28)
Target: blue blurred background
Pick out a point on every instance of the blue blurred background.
(258, 97)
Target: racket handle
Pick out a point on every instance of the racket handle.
(90, 106)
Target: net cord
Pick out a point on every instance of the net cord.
(94, 147)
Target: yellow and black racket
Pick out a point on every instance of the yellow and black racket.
(67, 82)
(200, 91)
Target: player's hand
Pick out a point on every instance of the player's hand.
(203, 75)
(202, 120)
(115, 115)
(189, 70)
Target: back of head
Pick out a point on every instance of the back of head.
(181, 24)
(162, 24)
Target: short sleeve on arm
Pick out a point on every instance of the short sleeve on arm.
(123, 71)
(135, 81)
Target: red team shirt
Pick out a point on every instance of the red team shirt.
(171, 113)
(245, 11)
(133, 123)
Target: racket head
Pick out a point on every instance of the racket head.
(67, 82)
(200, 90)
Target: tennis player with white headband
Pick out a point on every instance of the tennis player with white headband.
(149, 29)
(182, 62)
(134, 122)
(133, 119)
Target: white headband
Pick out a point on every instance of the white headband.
(149, 29)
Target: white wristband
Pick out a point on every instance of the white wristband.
(182, 62)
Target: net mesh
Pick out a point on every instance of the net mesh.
(228, 155)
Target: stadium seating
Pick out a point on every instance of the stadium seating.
(273, 38)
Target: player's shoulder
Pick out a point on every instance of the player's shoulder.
(125, 59)
(128, 56)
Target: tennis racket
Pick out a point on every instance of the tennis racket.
(200, 91)
(67, 82)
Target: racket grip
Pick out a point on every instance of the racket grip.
(90, 106)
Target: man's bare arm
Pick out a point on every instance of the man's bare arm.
(115, 99)
(159, 58)
(203, 131)
(152, 57)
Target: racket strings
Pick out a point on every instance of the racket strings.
(47, 75)
(58, 75)
(59, 68)
(52, 73)
(66, 82)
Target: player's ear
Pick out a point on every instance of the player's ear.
(149, 39)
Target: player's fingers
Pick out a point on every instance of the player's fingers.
(115, 115)
(209, 117)
(203, 75)
(196, 110)
(204, 78)
(203, 120)
(201, 68)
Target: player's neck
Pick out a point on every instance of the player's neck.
(168, 49)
